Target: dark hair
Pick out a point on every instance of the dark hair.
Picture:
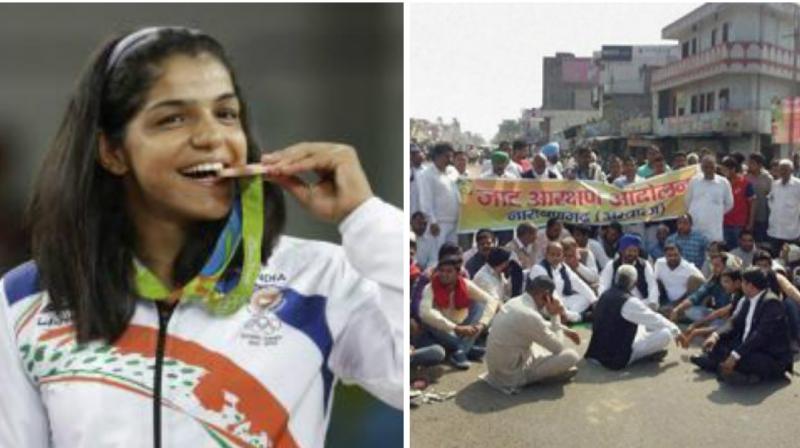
(83, 239)
(449, 248)
(670, 245)
(616, 226)
(731, 163)
(755, 277)
(482, 232)
(688, 217)
(678, 154)
(418, 213)
(758, 158)
(553, 221)
(733, 274)
(760, 255)
(450, 260)
(497, 256)
(738, 157)
(540, 283)
(439, 149)
(745, 232)
(519, 144)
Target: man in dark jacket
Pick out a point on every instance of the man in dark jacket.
(754, 346)
(617, 339)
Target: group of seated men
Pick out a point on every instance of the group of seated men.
(512, 305)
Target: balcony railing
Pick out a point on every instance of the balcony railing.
(731, 122)
(727, 57)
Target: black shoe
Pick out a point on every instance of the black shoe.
(476, 353)
(703, 362)
(738, 379)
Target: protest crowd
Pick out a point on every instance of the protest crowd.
(720, 278)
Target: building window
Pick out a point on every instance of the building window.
(693, 108)
(694, 45)
(725, 31)
(701, 99)
(685, 50)
(724, 99)
(713, 37)
(710, 101)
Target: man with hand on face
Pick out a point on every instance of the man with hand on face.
(526, 344)
(455, 312)
(625, 330)
(576, 295)
(755, 345)
(646, 287)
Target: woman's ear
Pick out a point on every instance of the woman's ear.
(112, 159)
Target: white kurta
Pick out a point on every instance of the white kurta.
(784, 206)
(582, 296)
(707, 202)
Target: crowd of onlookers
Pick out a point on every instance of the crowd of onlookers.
(511, 297)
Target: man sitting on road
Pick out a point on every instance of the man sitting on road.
(755, 346)
(708, 297)
(576, 295)
(646, 287)
(490, 277)
(526, 344)
(455, 312)
(673, 272)
(625, 330)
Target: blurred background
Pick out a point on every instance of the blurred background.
(309, 72)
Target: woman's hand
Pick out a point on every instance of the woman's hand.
(342, 185)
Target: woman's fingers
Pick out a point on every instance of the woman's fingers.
(342, 184)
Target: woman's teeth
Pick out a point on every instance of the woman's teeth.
(203, 170)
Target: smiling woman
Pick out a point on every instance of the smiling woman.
(160, 286)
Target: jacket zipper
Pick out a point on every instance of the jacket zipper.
(164, 314)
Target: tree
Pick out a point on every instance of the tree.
(507, 130)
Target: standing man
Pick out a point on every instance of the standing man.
(691, 243)
(539, 169)
(755, 345)
(784, 206)
(427, 249)
(500, 162)
(708, 198)
(741, 216)
(417, 157)
(438, 194)
(585, 168)
(460, 163)
(762, 184)
(526, 344)
(625, 330)
(520, 152)
(629, 175)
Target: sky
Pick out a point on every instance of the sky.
(482, 63)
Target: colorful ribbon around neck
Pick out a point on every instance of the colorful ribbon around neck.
(221, 295)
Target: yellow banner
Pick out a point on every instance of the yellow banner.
(504, 204)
